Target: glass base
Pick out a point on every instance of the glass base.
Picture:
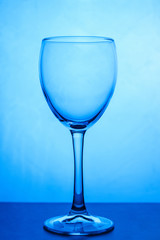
(78, 224)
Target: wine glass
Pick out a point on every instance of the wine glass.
(78, 76)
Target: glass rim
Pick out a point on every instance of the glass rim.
(78, 39)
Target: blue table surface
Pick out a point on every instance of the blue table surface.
(24, 221)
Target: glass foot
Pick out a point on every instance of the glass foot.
(78, 224)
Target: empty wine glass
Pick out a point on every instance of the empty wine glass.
(78, 76)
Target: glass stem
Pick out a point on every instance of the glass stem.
(78, 205)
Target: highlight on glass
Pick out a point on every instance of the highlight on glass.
(78, 77)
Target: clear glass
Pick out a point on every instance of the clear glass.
(78, 77)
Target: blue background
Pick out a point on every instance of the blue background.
(122, 150)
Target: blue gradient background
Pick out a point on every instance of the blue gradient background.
(122, 150)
